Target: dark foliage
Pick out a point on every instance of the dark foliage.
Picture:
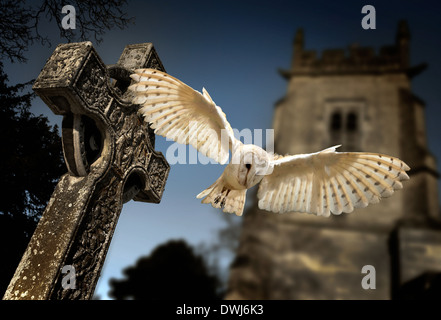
(171, 272)
(30, 165)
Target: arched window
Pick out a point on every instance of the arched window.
(336, 121)
(344, 128)
(351, 122)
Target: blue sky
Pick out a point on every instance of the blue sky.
(234, 49)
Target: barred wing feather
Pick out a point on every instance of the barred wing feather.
(182, 114)
(330, 182)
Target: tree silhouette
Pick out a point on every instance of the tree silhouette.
(171, 272)
(30, 165)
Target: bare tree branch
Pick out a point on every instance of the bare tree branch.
(20, 23)
(15, 29)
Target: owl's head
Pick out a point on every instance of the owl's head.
(253, 164)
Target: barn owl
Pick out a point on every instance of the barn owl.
(319, 183)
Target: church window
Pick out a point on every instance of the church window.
(344, 129)
(336, 121)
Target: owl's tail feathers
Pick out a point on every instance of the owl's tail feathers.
(232, 201)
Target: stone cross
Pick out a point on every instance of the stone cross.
(110, 157)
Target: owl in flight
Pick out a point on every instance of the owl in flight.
(320, 183)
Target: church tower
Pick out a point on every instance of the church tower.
(363, 101)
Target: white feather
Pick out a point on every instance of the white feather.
(330, 182)
(168, 104)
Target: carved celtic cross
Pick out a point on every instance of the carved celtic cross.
(110, 157)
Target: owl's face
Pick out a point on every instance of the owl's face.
(253, 163)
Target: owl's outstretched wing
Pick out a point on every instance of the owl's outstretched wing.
(182, 114)
(330, 182)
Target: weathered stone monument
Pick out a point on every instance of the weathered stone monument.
(110, 157)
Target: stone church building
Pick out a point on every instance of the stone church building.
(362, 100)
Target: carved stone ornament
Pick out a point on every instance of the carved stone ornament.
(110, 157)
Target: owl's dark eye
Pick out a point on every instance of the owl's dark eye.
(248, 165)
